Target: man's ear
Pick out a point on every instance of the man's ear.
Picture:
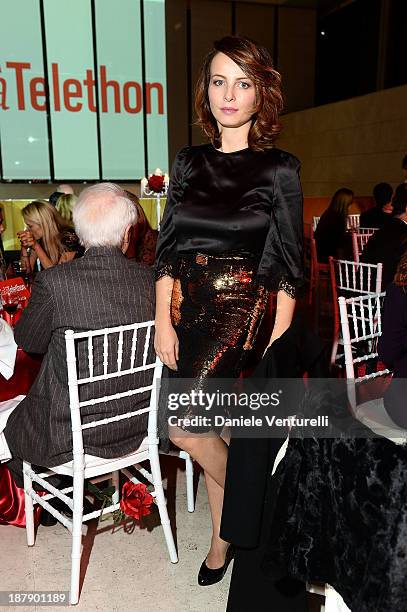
(126, 238)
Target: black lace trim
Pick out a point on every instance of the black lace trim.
(289, 289)
(166, 269)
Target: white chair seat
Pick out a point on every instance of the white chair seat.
(373, 414)
(93, 463)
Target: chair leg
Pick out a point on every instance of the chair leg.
(334, 349)
(116, 483)
(161, 502)
(189, 477)
(29, 506)
(78, 487)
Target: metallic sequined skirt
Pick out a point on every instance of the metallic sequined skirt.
(216, 310)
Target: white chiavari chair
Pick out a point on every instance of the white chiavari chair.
(133, 355)
(351, 279)
(361, 325)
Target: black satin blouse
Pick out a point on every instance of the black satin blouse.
(241, 202)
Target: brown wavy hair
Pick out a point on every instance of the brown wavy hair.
(257, 64)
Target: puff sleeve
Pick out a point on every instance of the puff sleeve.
(281, 264)
(166, 253)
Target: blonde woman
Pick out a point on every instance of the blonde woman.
(49, 238)
(65, 204)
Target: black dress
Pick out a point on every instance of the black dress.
(392, 349)
(331, 237)
(231, 231)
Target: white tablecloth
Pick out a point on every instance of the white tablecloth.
(8, 350)
(6, 408)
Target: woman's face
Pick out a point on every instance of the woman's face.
(35, 229)
(232, 94)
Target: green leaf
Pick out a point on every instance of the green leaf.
(95, 491)
(109, 491)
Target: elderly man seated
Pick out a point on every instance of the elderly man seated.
(103, 289)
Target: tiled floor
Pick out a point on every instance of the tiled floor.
(128, 569)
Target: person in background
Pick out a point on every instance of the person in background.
(331, 234)
(143, 239)
(392, 347)
(54, 197)
(403, 186)
(66, 188)
(381, 212)
(48, 237)
(389, 243)
(2, 228)
(65, 204)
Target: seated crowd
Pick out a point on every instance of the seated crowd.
(101, 289)
(387, 219)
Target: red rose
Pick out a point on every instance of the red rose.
(156, 183)
(136, 500)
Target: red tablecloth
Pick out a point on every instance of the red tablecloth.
(26, 369)
(12, 506)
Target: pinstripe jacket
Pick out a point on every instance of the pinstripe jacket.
(102, 289)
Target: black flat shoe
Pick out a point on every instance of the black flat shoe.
(207, 576)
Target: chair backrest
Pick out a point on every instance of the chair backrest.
(350, 277)
(353, 221)
(360, 239)
(369, 231)
(130, 350)
(361, 323)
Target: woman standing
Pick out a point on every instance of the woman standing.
(49, 237)
(231, 232)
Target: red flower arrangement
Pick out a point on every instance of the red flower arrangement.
(136, 501)
(156, 183)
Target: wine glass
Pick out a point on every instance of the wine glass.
(10, 305)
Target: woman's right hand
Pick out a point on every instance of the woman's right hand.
(26, 238)
(166, 345)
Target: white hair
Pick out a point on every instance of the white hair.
(102, 214)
